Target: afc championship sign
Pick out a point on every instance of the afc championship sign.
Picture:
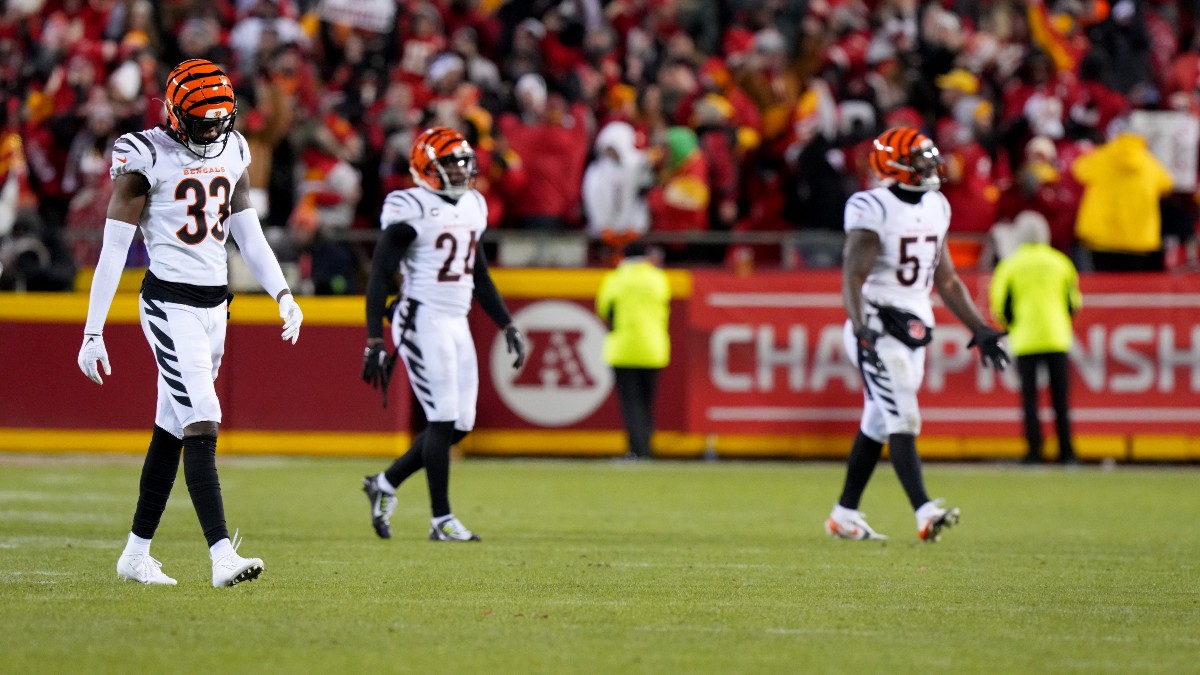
(767, 355)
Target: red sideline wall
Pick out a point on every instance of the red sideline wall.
(767, 357)
(758, 369)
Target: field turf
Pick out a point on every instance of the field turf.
(608, 567)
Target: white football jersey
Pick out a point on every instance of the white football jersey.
(439, 265)
(912, 236)
(188, 204)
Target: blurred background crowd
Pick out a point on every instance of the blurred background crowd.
(613, 119)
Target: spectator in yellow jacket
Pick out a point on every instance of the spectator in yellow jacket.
(634, 299)
(1119, 221)
(1035, 294)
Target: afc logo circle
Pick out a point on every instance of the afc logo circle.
(564, 379)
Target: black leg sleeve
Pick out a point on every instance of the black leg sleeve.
(408, 463)
(864, 455)
(1027, 367)
(902, 448)
(436, 451)
(414, 460)
(200, 472)
(1059, 395)
(158, 477)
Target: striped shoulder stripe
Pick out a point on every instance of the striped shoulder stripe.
(403, 202)
(415, 201)
(241, 144)
(149, 145)
(869, 202)
(860, 200)
(882, 208)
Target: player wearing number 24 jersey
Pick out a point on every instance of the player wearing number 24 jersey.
(185, 187)
(895, 255)
(431, 234)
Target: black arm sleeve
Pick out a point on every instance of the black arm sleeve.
(486, 293)
(393, 244)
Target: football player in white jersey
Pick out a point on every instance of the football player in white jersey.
(431, 234)
(895, 254)
(186, 187)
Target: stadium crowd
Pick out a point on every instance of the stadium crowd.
(747, 115)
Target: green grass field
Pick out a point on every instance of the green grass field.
(608, 567)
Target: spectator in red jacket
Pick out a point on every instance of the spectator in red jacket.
(1041, 185)
(552, 138)
(679, 202)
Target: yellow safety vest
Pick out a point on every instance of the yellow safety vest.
(1033, 292)
(635, 298)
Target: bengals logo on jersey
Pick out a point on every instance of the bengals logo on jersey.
(200, 107)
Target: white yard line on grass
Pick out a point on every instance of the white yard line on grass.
(10, 516)
(32, 541)
(57, 496)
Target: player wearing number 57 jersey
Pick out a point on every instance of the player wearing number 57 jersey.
(186, 187)
(895, 254)
(431, 234)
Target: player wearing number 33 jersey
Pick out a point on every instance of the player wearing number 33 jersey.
(431, 235)
(894, 257)
(185, 186)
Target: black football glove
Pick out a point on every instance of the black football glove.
(867, 355)
(516, 343)
(987, 339)
(377, 368)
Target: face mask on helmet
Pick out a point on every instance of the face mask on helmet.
(928, 168)
(204, 137)
(451, 175)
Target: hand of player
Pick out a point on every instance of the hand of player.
(377, 368)
(516, 343)
(92, 351)
(375, 371)
(867, 355)
(290, 312)
(987, 339)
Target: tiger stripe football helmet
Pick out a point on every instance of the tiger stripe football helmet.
(909, 158)
(443, 162)
(200, 107)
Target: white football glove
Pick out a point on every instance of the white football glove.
(290, 312)
(92, 351)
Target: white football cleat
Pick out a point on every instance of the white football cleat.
(232, 569)
(932, 518)
(140, 567)
(844, 523)
(451, 529)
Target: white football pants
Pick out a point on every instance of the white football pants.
(187, 343)
(889, 397)
(439, 354)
